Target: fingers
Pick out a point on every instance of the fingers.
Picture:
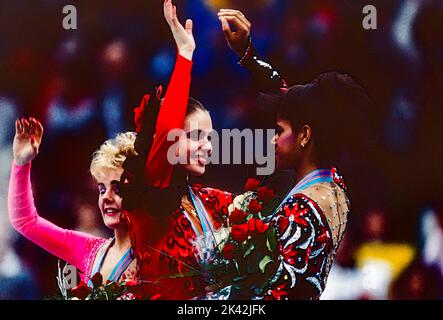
(237, 22)
(36, 127)
(18, 127)
(29, 126)
(32, 126)
(235, 13)
(225, 26)
(169, 12)
(188, 26)
(167, 7)
(26, 126)
(227, 30)
(39, 128)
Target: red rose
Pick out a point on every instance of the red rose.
(257, 226)
(265, 194)
(240, 232)
(229, 251)
(237, 217)
(251, 184)
(254, 206)
(97, 280)
(261, 227)
(81, 291)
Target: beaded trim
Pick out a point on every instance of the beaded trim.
(95, 246)
(248, 53)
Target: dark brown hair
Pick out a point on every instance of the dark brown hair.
(335, 106)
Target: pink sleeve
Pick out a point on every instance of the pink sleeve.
(71, 246)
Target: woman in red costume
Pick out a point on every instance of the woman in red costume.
(166, 214)
(114, 257)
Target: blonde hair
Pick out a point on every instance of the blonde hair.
(112, 153)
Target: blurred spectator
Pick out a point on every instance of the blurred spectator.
(114, 68)
(431, 235)
(418, 282)
(7, 129)
(71, 100)
(16, 282)
(345, 281)
(379, 260)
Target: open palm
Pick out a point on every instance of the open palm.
(182, 35)
(27, 140)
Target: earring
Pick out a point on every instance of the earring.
(302, 145)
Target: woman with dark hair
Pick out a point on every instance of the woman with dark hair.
(309, 223)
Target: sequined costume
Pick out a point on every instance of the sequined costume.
(170, 268)
(309, 223)
(163, 232)
(265, 76)
(310, 226)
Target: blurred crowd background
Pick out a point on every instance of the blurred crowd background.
(84, 83)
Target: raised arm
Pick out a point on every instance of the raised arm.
(172, 112)
(266, 77)
(71, 246)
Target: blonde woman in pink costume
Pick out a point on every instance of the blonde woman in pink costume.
(89, 254)
(112, 258)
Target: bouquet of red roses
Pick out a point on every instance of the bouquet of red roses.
(251, 243)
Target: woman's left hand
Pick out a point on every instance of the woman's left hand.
(182, 35)
(238, 40)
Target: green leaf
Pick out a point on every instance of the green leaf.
(110, 287)
(109, 290)
(264, 262)
(271, 243)
(248, 250)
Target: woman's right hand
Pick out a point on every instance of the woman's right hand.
(27, 140)
(182, 35)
